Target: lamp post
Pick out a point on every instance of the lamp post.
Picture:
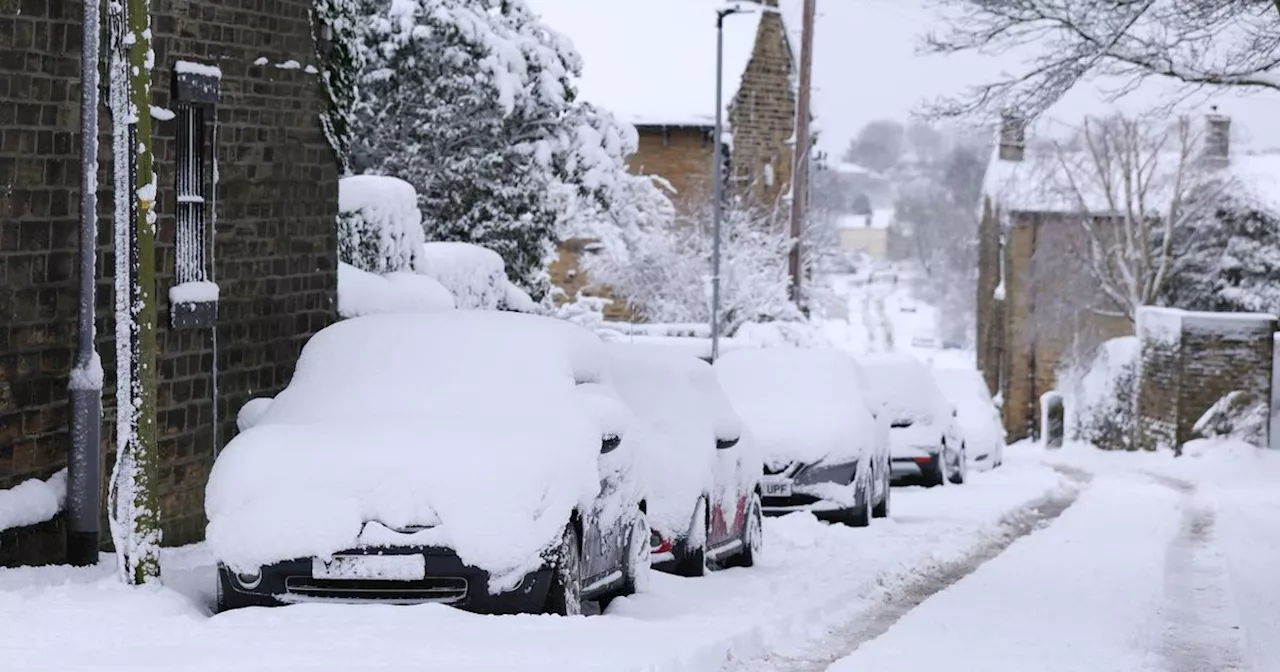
(717, 208)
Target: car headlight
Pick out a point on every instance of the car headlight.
(249, 579)
(826, 473)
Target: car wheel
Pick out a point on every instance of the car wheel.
(962, 467)
(881, 509)
(693, 561)
(860, 514)
(636, 571)
(565, 595)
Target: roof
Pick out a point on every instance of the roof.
(653, 63)
(878, 219)
(1039, 182)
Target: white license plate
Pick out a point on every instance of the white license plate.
(776, 488)
(371, 567)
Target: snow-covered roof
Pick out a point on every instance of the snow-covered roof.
(880, 218)
(654, 62)
(1042, 181)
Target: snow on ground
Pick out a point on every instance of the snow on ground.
(812, 577)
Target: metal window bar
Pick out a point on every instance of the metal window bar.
(192, 238)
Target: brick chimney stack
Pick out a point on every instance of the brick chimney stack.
(1013, 136)
(1217, 137)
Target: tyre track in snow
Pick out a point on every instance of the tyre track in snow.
(867, 625)
(1202, 631)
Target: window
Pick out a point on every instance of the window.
(193, 299)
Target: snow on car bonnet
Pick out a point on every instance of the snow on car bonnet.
(468, 421)
(799, 405)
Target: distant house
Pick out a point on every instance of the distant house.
(653, 64)
(867, 233)
(1036, 305)
(272, 247)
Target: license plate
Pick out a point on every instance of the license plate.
(778, 488)
(371, 567)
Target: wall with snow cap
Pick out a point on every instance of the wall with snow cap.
(1190, 360)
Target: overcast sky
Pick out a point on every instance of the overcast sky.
(866, 68)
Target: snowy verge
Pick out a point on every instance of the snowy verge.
(33, 501)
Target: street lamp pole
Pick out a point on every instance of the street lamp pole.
(717, 206)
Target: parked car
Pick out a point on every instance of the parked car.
(927, 445)
(471, 458)
(979, 419)
(700, 475)
(823, 450)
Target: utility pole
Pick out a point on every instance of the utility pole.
(800, 169)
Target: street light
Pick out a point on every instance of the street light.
(717, 208)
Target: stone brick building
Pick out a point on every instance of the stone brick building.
(657, 71)
(1191, 360)
(273, 253)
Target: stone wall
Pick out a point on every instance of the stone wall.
(1190, 360)
(762, 117)
(275, 246)
(568, 274)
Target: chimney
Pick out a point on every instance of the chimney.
(1217, 137)
(1013, 140)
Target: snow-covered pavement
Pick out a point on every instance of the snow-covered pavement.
(815, 579)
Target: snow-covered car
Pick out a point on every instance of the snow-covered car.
(823, 450)
(979, 419)
(927, 445)
(700, 475)
(471, 458)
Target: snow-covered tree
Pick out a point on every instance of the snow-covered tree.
(134, 512)
(1129, 187)
(1228, 260)
(1225, 43)
(472, 102)
(379, 224)
(338, 37)
(664, 272)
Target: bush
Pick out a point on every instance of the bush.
(1101, 398)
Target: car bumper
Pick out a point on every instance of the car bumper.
(447, 581)
(819, 498)
(913, 467)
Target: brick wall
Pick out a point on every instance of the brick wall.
(681, 156)
(762, 116)
(1190, 360)
(275, 247)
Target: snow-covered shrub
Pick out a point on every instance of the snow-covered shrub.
(664, 272)
(472, 101)
(1101, 398)
(474, 275)
(363, 293)
(783, 335)
(1239, 415)
(379, 224)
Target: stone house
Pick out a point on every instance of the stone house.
(1038, 307)
(270, 245)
(656, 70)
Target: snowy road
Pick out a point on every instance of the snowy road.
(815, 580)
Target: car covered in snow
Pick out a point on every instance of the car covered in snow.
(700, 474)
(927, 445)
(979, 419)
(472, 458)
(823, 450)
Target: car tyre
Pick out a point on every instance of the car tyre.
(693, 561)
(962, 467)
(752, 534)
(564, 597)
(860, 514)
(881, 509)
(636, 571)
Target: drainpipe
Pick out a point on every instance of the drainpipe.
(84, 466)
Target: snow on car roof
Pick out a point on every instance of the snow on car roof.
(798, 404)
(902, 387)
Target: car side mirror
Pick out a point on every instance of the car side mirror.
(610, 444)
(726, 444)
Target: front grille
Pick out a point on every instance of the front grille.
(775, 469)
(793, 500)
(444, 589)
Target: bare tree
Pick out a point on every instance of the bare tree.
(1224, 43)
(1129, 186)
